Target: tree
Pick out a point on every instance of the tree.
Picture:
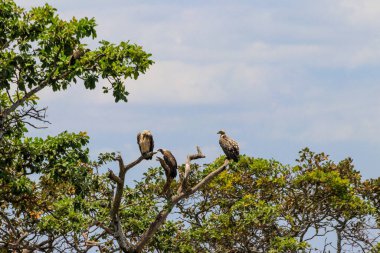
(263, 206)
(53, 198)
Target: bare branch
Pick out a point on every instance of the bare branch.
(118, 230)
(183, 184)
(119, 233)
(113, 177)
(133, 164)
(196, 156)
(154, 226)
(208, 178)
(163, 214)
(121, 163)
(34, 126)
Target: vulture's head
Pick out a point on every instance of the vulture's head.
(221, 132)
(160, 150)
(146, 132)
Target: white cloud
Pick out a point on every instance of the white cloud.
(364, 13)
(179, 83)
(299, 72)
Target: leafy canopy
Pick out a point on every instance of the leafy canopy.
(53, 198)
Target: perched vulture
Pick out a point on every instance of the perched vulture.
(146, 143)
(170, 161)
(229, 146)
(77, 54)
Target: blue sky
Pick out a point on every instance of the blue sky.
(277, 76)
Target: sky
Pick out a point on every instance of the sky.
(277, 76)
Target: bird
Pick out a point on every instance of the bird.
(146, 143)
(77, 54)
(170, 161)
(229, 146)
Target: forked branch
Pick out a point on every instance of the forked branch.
(163, 214)
(182, 193)
(119, 180)
(183, 183)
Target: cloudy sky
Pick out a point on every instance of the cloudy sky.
(277, 76)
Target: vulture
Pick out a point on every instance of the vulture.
(229, 146)
(146, 143)
(170, 161)
(77, 54)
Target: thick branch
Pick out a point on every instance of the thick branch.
(208, 178)
(133, 164)
(119, 234)
(119, 188)
(161, 217)
(113, 177)
(154, 226)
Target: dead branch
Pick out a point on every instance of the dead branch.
(161, 217)
(208, 178)
(163, 214)
(113, 177)
(119, 234)
(118, 229)
(183, 182)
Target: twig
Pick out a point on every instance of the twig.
(183, 184)
(11, 227)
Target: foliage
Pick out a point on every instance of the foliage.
(53, 198)
(46, 184)
(263, 206)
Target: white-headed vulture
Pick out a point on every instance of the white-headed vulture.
(77, 54)
(146, 143)
(229, 146)
(170, 161)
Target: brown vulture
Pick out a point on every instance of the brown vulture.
(146, 143)
(76, 55)
(229, 146)
(170, 161)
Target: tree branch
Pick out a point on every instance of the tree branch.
(119, 234)
(11, 227)
(43, 84)
(208, 178)
(133, 164)
(154, 226)
(102, 226)
(113, 177)
(183, 183)
(118, 230)
(163, 214)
